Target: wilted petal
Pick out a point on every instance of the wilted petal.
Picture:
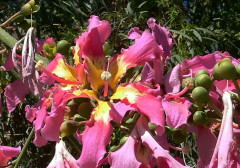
(7, 153)
(62, 158)
(177, 111)
(39, 140)
(15, 93)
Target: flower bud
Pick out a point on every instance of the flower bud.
(63, 47)
(200, 95)
(27, 23)
(188, 82)
(203, 80)
(26, 9)
(238, 70)
(215, 73)
(123, 140)
(200, 118)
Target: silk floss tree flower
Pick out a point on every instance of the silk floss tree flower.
(98, 78)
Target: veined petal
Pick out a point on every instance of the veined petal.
(134, 33)
(95, 138)
(172, 80)
(104, 28)
(60, 71)
(8, 64)
(177, 111)
(15, 93)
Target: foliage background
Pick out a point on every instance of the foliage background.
(198, 27)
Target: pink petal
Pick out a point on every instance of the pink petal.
(118, 111)
(104, 28)
(39, 140)
(205, 148)
(143, 50)
(15, 93)
(162, 36)
(203, 62)
(158, 152)
(125, 157)
(148, 74)
(46, 79)
(172, 80)
(8, 64)
(224, 144)
(134, 33)
(95, 138)
(152, 108)
(30, 113)
(177, 111)
(7, 153)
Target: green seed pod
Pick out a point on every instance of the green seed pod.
(77, 117)
(26, 9)
(179, 136)
(63, 47)
(202, 71)
(203, 80)
(169, 131)
(200, 95)
(68, 128)
(85, 109)
(19, 19)
(31, 2)
(227, 70)
(188, 82)
(200, 118)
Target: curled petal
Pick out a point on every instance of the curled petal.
(103, 27)
(162, 36)
(172, 80)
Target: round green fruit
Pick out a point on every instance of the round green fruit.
(63, 47)
(202, 71)
(227, 70)
(200, 118)
(203, 80)
(200, 95)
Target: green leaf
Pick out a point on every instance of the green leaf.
(199, 37)
(181, 33)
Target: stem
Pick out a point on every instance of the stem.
(8, 21)
(74, 143)
(237, 87)
(7, 39)
(28, 141)
(210, 103)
